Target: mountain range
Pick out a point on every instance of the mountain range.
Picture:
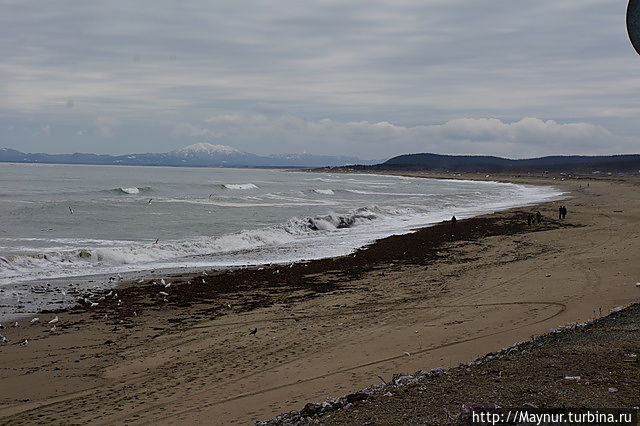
(479, 163)
(197, 155)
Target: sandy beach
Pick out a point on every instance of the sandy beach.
(433, 298)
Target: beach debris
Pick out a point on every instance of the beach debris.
(203, 282)
(407, 354)
(228, 306)
(613, 390)
(254, 331)
(548, 275)
(616, 309)
(55, 320)
(35, 320)
(572, 377)
(25, 342)
(94, 304)
(53, 328)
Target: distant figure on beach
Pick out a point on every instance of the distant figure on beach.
(529, 219)
(560, 212)
(538, 217)
(453, 221)
(564, 212)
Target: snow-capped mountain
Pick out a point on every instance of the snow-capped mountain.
(202, 148)
(199, 154)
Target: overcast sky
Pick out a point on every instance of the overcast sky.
(368, 78)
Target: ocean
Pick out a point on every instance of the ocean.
(72, 226)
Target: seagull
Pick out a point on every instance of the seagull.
(254, 331)
(35, 320)
(168, 285)
(53, 328)
(94, 304)
(164, 293)
(157, 239)
(1, 326)
(3, 339)
(25, 342)
(150, 200)
(55, 320)
(162, 281)
(15, 324)
(70, 209)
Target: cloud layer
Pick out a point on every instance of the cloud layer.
(116, 76)
(522, 138)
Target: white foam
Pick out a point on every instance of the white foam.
(324, 191)
(239, 186)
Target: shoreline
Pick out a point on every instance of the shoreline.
(325, 327)
(57, 298)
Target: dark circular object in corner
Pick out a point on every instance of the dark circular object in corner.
(633, 23)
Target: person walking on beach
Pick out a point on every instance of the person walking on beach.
(453, 222)
(560, 212)
(564, 212)
(538, 217)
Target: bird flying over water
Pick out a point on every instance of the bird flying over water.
(150, 200)
(70, 209)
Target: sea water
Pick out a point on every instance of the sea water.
(62, 222)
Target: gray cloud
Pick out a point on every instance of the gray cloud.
(159, 69)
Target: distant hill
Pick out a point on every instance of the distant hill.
(485, 164)
(196, 155)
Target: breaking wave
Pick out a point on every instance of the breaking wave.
(131, 190)
(324, 191)
(94, 259)
(239, 186)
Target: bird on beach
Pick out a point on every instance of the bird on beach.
(253, 332)
(1, 327)
(15, 324)
(53, 328)
(55, 320)
(34, 320)
(162, 293)
(25, 342)
(162, 281)
(3, 339)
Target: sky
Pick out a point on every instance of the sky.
(373, 78)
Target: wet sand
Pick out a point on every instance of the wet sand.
(434, 298)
